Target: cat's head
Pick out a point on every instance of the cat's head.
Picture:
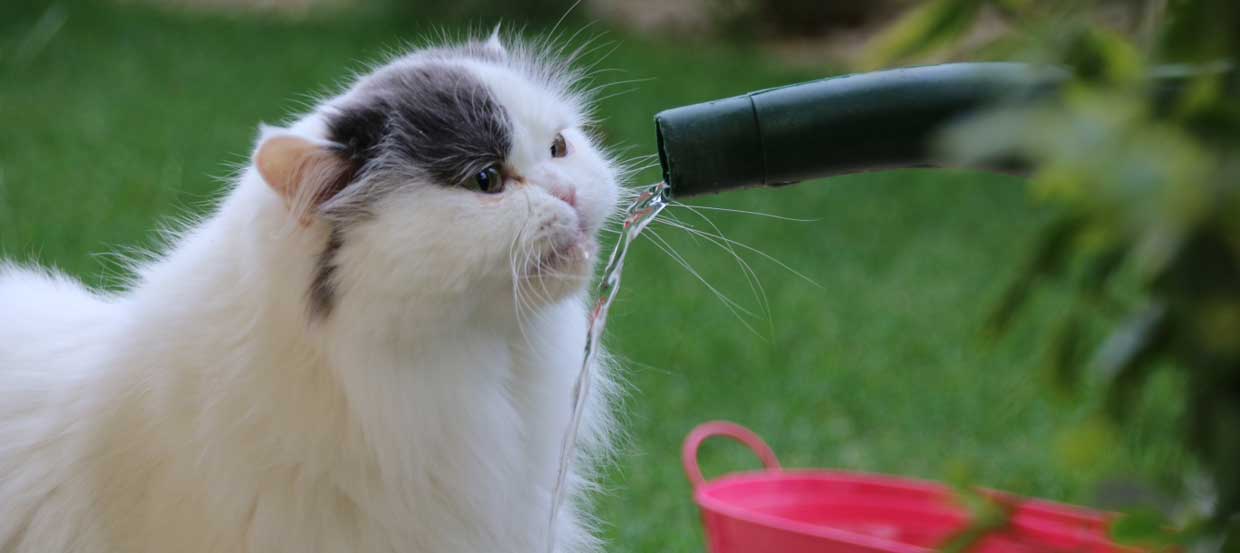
(452, 171)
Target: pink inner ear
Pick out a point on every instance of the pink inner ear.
(278, 159)
(303, 172)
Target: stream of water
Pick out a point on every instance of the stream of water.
(649, 203)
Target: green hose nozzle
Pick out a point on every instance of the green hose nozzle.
(839, 125)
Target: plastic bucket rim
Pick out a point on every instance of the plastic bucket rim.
(707, 503)
(773, 471)
(701, 497)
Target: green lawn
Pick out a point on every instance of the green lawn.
(117, 120)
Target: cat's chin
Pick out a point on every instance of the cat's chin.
(571, 261)
(564, 269)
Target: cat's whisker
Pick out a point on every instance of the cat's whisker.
(751, 276)
(528, 306)
(646, 156)
(674, 203)
(541, 273)
(564, 43)
(614, 84)
(768, 257)
(732, 306)
(631, 362)
(533, 314)
(641, 162)
(518, 299)
(563, 16)
(527, 311)
(595, 73)
(630, 174)
(615, 94)
(630, 193)
(582, 50)
(683, 262)
(630, 166)
(697, 211)
(755, 283)
(632, 171)
(617, 219)
(588, 48)
(623, 148)
(645, 160)
(612, 46)
(538, 276)
(670, 220)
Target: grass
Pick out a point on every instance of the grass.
(116, 119)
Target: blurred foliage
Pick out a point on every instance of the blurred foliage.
(925, 30)
(1144, 181)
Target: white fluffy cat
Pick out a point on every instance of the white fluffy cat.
(369, 346)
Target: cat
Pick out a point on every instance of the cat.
(370, 345)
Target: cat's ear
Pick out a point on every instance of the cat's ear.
(495, 44)
(305, 172)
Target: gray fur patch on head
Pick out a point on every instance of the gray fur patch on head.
(419, 121)
(429, 119)
(425, 117)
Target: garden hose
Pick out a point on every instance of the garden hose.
(839, 125)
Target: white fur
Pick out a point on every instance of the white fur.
(204, 410)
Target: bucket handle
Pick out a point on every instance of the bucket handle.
(704, 431)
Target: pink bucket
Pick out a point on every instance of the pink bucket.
(820, 511)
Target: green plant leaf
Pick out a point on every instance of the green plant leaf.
(1048, 259)
(924, 30)
(1080, 447)
(1201, 30)
(1063, 357)
(987, 515)
(1142, 527)
(1097, 54)
(1125, 357)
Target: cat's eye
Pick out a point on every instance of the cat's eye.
(487, 181)
(559, 147)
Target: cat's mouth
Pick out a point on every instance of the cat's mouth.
(569, 258)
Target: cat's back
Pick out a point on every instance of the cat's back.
(52, 332)
(48, 323)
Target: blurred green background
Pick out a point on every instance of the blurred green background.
(119, 118)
